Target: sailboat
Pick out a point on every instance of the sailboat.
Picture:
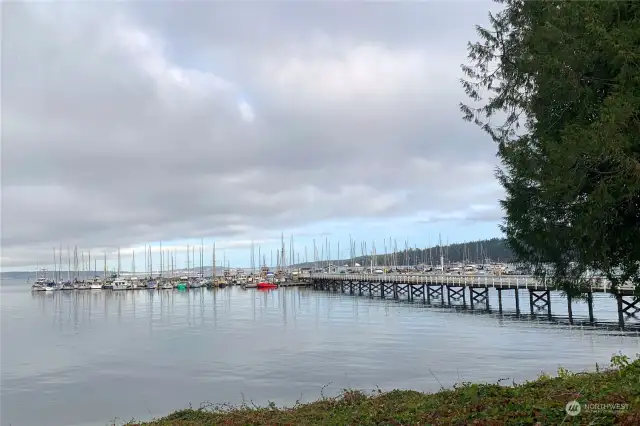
(50, 284)
(84, 285)
(199, 281)
(98, 284)
(119, 283)
(151, 283)
(184, 281)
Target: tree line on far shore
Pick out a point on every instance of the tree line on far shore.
(476, 252)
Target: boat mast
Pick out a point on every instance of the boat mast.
(214, 274)
(54, 263)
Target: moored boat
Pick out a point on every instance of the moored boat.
(67, 286)
(51, 286)
(96, 284)
(41, 281)
(265, 284)
(120, 284)
(38, 286)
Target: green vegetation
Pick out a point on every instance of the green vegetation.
(540, 402)
(565, 76)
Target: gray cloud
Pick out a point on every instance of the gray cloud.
(125, 123)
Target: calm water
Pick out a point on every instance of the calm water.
(85, 358)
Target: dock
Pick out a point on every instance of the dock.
(430, 287)
(285, 284)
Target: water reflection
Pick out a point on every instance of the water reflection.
(199, 306)
(161, 350)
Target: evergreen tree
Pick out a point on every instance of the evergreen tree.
(565, 75)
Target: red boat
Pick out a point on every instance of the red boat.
(265, 284)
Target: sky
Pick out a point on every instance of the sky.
(131, 123)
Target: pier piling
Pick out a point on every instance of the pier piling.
(620, 311)
(430, 288)
(590, 305)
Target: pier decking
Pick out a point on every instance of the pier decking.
(432, 286)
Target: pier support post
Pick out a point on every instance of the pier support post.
(569, 310)
(479, 295)
(428, 294)
(455, 294)
(549, 303)
(499, 300)
(416, 290)
(590, 305)
(629, 309)
(517, 302)
(620, 311)
(531, 300)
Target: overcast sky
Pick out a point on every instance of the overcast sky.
(130, 123)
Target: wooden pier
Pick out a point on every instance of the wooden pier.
(430, 287)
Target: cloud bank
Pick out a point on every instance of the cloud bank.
(124, 123)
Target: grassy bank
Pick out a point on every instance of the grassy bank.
(540, 402)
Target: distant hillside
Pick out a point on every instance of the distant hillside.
(494, 249)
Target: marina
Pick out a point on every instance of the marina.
(413, 274)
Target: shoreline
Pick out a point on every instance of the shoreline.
(607, 396)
